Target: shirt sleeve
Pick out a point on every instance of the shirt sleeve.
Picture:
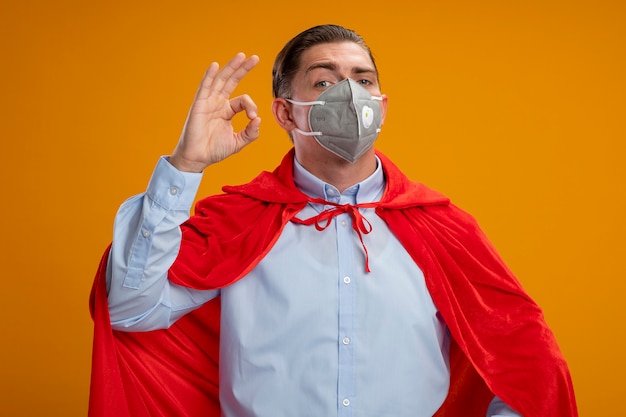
(497, 408)
(146, 240)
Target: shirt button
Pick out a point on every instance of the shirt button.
(346, 280)
(145, 233)
(173, 190)
(343, 223)
(346, 341)
(345, 402)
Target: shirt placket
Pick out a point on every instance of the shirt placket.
(346, 308)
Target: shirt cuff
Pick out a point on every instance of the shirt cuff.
(172, 189)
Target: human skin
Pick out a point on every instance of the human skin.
(322, 66)
(209, 137)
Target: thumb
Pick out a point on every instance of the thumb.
(250, 132)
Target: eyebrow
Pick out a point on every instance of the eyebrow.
(333, 67)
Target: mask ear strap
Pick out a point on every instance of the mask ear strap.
(305, 103)
(302, 132)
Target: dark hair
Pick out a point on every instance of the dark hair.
(287, 61)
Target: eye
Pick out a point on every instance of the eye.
(364, 82)
(322, 84)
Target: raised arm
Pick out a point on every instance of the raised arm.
(146, 233)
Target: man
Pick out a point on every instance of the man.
(334, 284)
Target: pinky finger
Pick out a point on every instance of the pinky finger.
(204, 89)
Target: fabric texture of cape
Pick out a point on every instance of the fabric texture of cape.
(500, 345)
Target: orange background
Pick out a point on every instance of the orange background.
(516, 110)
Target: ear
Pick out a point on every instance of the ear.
(282, 113)
(383, 108)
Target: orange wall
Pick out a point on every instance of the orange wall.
(514, 109)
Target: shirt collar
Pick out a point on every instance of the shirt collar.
(369, 190)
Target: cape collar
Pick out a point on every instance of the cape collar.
(368, 190)
(278, 187)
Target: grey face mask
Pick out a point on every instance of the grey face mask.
(345, 119)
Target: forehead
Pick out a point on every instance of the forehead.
(344, 56)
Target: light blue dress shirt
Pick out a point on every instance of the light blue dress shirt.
(308, 332)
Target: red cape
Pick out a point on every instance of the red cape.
(501, 343)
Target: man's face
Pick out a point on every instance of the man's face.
(324, 65)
